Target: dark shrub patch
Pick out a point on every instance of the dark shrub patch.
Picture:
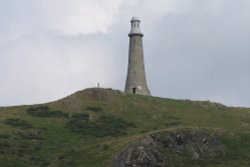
(105, 126)
(4, 144)
(18, 123)
(43, 128)
(45, 164)
(31, 136)
(105, 147)
(4, 136)
(95, 109)
(40, 108)
(114, 122)
(44, 111)
(81, 116)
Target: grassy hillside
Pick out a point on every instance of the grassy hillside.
(91, 127)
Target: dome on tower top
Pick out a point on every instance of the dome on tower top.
(135, 19)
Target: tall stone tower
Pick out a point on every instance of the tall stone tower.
(136, 78)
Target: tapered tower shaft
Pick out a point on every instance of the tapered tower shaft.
(136, 78)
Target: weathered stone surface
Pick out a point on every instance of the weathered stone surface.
(169, 149)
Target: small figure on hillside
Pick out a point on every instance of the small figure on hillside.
(179, 140)
(204, 141)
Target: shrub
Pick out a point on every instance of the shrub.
(44, 111)
(30, 136)
(94, 109)
(105, 147)
(4, 136)
(81, 116)
(18, 123)
(114, 122)
(104, 126)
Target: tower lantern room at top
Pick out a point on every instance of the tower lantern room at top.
(135, 27)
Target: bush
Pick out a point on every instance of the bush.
(44, 111)
(30, 136)
(94, 109)
(105, 147)
(81, 116)
(105, 126)
(18, 123)
(114, 122)
(4, 136)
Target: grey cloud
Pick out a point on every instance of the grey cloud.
(204, 53)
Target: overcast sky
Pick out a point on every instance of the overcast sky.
(194, 49)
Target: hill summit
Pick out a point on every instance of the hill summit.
(104, 127)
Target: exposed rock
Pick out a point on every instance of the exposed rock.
(167, 149)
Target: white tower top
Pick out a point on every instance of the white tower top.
(135, 26)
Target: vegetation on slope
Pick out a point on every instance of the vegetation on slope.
(44, 111)
(104, 126)
(91, 127)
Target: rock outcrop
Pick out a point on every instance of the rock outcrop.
(170, 148)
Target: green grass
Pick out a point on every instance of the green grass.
(89, 127)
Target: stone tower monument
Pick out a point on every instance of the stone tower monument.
(136, 78)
